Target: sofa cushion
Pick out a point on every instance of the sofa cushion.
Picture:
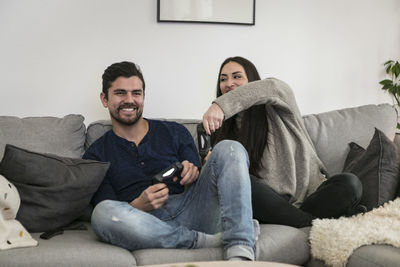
(374, 256)
(54, 190)
(78, 248)
(276, 243)
(61, 136)
(377, 167)
(332, 131)
(96, 129)
(368, 256)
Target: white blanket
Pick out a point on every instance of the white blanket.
(12, 233)
(334, 240)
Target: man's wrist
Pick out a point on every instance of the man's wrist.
(134, 203)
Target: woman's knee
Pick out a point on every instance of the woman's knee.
(351, 182)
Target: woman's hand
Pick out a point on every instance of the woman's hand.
(213, 118)
(207, 156)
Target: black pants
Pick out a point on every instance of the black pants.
(337, 196)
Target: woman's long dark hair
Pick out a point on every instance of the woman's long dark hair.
(254, 125)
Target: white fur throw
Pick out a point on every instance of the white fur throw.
(334, 240)
(12, 233)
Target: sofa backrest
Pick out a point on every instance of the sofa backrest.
(61, 136)
(331, 132)
(98, 128)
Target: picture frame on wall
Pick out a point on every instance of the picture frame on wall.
(207, 11)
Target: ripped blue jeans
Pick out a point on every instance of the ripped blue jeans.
(219, 201)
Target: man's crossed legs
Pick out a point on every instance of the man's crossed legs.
(218, 202)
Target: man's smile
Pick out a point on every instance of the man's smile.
(128, 109)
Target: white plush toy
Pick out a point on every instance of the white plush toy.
(12, 233)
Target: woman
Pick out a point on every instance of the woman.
(289, 184)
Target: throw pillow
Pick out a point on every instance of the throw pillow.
(54, 190)
(12, 233)
(377, 166)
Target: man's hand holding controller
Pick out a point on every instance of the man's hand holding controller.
(185, 172)
(172, 171)
(155, 195)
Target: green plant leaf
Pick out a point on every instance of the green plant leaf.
(388, 87)
(389, 69)
(398, 125)
(392, 90)
(388, 62)
(397, 89)
(396, 69)
(392, 85)
(386, 82)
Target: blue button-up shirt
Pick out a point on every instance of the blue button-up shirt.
(132, 167)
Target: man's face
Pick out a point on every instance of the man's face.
(125, 100)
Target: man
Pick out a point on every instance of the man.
(209, 209)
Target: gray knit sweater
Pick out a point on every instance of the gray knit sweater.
(290, 164)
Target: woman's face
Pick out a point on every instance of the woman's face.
(232, 76)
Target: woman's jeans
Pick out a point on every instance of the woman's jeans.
(335, 197)
(219, 201)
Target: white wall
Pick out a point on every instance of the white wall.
(53, 53)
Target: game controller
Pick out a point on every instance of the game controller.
(170, 172)
(203, 140)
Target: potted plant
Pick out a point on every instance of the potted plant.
(392, 85)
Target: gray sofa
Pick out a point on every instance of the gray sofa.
(331, 132)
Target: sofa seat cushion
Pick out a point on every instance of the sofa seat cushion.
(73, 248)
(61, 136)
(374, 256)
(282, 243)
(368, 256)
(276, 243)
(164, 256)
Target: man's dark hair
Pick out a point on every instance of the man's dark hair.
(122, 69)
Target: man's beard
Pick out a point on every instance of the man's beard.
(127, 121)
